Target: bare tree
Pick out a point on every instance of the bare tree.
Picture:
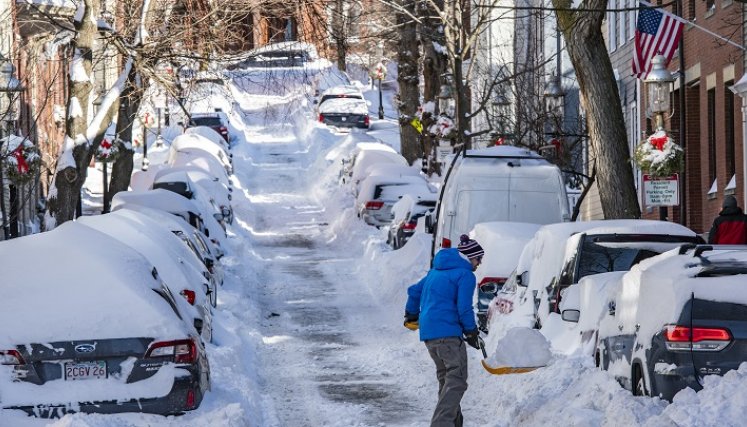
(408, 59)
(582, 30)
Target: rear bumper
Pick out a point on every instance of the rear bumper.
(174, 403)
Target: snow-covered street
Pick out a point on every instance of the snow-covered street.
(308, 328)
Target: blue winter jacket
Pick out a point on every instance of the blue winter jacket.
(444, 297)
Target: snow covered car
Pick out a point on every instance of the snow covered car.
(194, 240)
(180, 182)
(216, 190)
(179, 268)
(367, 157)
(678, 318)
(345, 112)
(282, 54)
(406, 213)
(211, 135)
(201, 146)
(379, 193)
(338, 92)
(212, 120)
(562, 254)
(503, 243)
(97, 330)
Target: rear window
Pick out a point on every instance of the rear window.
(177, 187)
(206, 121)
(604, 254)
(326, 97)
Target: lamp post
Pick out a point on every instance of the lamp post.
(500, 104)
(9, 87)
(659, 84)
(554, 99)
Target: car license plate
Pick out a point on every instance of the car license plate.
(85, 370)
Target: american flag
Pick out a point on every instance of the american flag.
(657, 33)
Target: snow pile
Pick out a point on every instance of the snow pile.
(523, 348)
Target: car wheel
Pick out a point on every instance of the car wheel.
(639, 381)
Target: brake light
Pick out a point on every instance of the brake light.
(497, 280)
(445, 243)
(189, 295)
(366, 120)
(182, 351)
(409, 226)
(11, 357)
(321, 118)
(703, 339)
(223, 130)
(374, 205)
(190, 402)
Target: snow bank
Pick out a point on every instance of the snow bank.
(523, 348)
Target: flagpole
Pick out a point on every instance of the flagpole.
(683, 128)
(685, 21)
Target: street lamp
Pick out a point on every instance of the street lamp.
(501, 104)
(554, 96)
(659, 84)
(9, 86)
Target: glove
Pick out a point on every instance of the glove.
(411, 321)
(472, 338)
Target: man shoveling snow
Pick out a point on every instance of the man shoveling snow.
(441, 304)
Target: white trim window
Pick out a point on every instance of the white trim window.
(612, 26)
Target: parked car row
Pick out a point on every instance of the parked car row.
(118, 322)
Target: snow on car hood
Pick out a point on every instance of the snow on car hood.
(343, 106)
(91, 286)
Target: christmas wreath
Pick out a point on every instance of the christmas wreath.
(22, 163)
(444, 128)
(659, 156)
(108, 150)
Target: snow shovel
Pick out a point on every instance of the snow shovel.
(500, 370)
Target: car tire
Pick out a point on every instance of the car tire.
(638, 381)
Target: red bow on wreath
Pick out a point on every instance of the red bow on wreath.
(659, 142)
(23, 166)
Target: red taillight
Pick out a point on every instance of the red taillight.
(366, 120)
(496, 280)
(321, 118)
(11, 357)
(445, 243)
(189, 295)
(190, 402)
(409, 226)
(374, 205)
(703, 339)
(682, 334)
(223, 130)
(182, 351)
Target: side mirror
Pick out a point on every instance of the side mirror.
(571, 315)
(523, 279)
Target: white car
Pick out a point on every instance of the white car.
(177, 266)
(95, 330)
(379, 193)
(198, 145)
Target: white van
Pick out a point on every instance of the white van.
(501, 183)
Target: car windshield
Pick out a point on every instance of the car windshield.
(604, 254)
(205, 121)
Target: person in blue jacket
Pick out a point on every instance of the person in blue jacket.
(441, 305)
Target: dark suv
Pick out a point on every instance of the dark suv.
(212, 120)
(699, 329)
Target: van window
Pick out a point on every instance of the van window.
(475, 206)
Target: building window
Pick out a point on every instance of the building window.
(612, 23)
(729, 129)
(622, 22)
(712, 134)
(710, 7)
(691, 9)
(632, 19)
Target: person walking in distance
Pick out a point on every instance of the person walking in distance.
(730, 226)
(441, 305)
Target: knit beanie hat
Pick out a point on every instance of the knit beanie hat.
(470, 248)
(729, 202)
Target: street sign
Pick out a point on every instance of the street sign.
(443, 152)
(417, 124)
(661, 191)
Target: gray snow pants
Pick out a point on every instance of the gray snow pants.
(450, 356)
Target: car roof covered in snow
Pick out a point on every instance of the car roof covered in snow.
(194, 157)
(344, 106)
(391, 169)
(408, 204)
(367, 158)
(342, 90)
(176, 265)
(197, 144)
(503, 243)
(164, 200)
(91, 287)
(208, 133)
(414, 185)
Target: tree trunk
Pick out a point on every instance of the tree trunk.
(339, 32)
(599, 95)
(77, 151)
(434, 66)
(407, 76)
(129, 105)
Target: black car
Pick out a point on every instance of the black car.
(345, 112)
(403, 228)
(699, 330)
(213, 121)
